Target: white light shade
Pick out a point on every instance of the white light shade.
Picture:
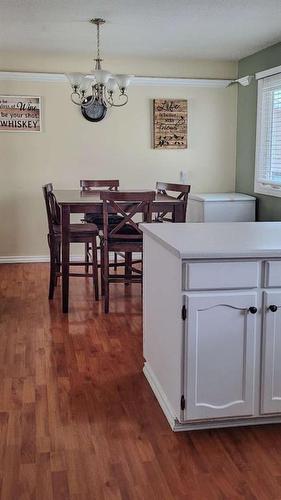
(91, 79)
(123, 80)
(111, 85)
(101, 76)
(85, 84)
(75, 79)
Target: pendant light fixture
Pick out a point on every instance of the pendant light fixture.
(100, 88)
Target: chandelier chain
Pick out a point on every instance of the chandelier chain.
(98, 40)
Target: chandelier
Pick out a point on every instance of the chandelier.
(100, 88)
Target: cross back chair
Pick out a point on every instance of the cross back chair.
(182, 189)
(124, 237)
(98, 185)
(78, 233)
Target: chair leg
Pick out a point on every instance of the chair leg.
(128, 266)
(115, 261)
(130, 263)
(87, 260)
(142, 273)
(105, 279)
(53, 269)
(95, 267)
(102, 268)
(58, 260)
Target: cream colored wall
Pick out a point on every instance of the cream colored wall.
(70, 148)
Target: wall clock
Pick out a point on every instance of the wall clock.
(95, 112)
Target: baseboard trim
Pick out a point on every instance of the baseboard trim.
(22, 259)
(29, 259)
(159, 394)
(25, 259)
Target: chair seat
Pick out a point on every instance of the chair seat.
(97, 219)
(158, 219)
(77, 230)
(125, 231)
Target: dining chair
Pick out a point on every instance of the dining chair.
(78, 233)
(125, 237)
(98, 185)
(182, 189)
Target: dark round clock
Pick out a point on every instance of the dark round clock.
(95, 112)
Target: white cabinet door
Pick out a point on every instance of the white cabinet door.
(271, 354)
(220, 355)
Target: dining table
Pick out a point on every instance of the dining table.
(81, 202)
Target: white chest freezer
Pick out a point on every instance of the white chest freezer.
(221, 207)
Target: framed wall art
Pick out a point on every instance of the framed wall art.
(20, 113)
(169, 123)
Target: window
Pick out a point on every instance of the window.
(268, 141)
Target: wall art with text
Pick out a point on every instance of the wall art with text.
(20, 114)
(170, 123)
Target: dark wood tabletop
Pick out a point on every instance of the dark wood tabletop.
(75, 196)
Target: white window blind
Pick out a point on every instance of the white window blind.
(268, 141)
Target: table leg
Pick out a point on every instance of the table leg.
(65, 221)
(179, 213)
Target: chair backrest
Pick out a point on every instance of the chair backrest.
(183, 191)
(127, 204)
(52, 208)
(99, 184)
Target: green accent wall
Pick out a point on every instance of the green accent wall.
(269, 207)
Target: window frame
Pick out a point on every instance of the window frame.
(262, 188)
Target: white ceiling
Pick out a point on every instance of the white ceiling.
(215, 29)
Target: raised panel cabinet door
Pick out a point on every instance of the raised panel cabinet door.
(220, 354)
(271, 354)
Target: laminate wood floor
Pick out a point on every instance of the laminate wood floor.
(79, 421)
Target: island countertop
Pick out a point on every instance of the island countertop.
(217, 240)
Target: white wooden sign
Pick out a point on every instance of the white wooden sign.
(20, 113)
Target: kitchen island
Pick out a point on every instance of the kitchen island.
(212, 322)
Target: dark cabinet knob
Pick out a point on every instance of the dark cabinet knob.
(273, 308)
(253, 310)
